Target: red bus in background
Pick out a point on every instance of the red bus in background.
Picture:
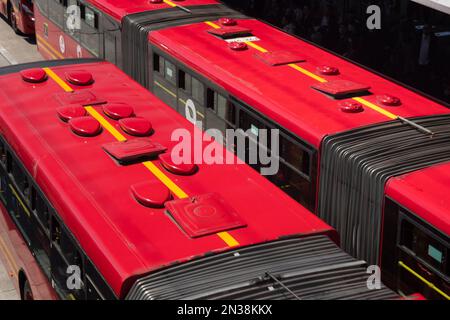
(89, 189)
(346, 133)
(19, 14)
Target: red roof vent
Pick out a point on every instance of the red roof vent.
(204, 215)
(67, 113)
(118, 111)
(238, 46)
(328, 70)
(340, 88)
(132, 151)
(351, 107)
(152, 194)
(180, 169)
(227, 22)
(85, 126)
(156, 1)
(138, 127)
(279, 58)
(389, 100)
(82, 97)
(34, 75)
(80, 78)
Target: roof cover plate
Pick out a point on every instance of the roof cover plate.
(230, 32)
(204, 215)
(82, 97)
(133, 150)
(279, 58)
(341, 87)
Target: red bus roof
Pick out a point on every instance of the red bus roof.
(425, 193)
(121, 8)
(284, 93)
(91, 192)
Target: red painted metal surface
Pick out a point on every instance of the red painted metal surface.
(91, 192)
(279, 58)
(283, 93)
(425, 193)
(119, 9)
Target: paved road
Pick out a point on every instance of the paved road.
(13, 49)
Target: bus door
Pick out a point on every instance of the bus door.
(423, 260)
(415, 256)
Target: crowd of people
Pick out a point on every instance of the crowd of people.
(409, 46)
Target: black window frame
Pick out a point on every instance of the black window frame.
(405, 216)
(37, 244)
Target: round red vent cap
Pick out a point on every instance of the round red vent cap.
(71, 111)
(351, 107)
(34, 75)
(139, 127)
(328, 70)
(80, 78)
(151, 194)
(85, 126)
(180, 169)
(118, 111)
(389, 100)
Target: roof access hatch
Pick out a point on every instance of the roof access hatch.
(204, 215)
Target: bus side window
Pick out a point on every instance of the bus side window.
(90, 36)
(56, 12)
(42, 6)
(67, 265)
(424, 245)
(2, 153)
(170, 72)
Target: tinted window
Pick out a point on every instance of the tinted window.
(424, 245)
(56, 12)
(170, 72)
(198, 90)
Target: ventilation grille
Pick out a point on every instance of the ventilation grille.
(355, 167)
(312, 268)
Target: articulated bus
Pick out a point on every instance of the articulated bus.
(347, 135)
(19, 14)
(95, 206)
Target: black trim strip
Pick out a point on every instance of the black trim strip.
(44, 64)
(313, 268)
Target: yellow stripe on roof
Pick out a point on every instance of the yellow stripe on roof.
(105, 124)
(376, 108)
(173, 187)
(170, 3)
(58, 80)
(310, 74)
